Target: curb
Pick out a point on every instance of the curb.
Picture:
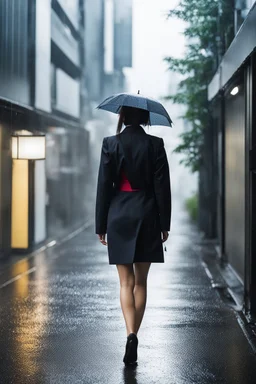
(230, 290)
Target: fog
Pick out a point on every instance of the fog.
(154, 38)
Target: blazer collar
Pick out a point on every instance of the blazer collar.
(133, 129)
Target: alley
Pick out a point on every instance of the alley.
(61, 320)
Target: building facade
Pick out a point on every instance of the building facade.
(231, 95)
(58, 59)
(41, 71)
(108, 47)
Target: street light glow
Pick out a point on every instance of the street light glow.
(234, 91)
(28, 147)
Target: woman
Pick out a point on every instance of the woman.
(133, 208)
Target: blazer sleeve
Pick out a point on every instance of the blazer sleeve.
(104, 190)
(162, 187)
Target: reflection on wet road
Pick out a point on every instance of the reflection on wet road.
(61, 320)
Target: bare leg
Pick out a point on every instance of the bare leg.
(140, 291)
(127, 281)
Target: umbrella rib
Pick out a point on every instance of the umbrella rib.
(158, 113)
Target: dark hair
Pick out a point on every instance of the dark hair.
(132, 116)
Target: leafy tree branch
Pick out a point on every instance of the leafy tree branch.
(209, 32)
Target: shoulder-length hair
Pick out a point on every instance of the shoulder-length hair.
(132, 116)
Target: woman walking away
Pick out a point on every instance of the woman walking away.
(133, 208)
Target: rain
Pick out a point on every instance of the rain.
(60, 313)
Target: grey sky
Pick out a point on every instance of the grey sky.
(154, 37)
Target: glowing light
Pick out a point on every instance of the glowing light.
(234, 91)
(28, 147)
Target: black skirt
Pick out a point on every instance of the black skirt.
(133, 229)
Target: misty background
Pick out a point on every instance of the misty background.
(71, 55)
(154, 38)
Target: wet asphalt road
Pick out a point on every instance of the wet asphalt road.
(61, 320)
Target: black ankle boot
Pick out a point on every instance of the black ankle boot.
(130, 356)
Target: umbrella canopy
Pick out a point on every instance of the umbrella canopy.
(157, 113)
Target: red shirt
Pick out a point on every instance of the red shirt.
(125, 184)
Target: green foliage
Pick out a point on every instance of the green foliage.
(209, 31)
(191, 205)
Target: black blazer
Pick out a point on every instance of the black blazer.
(144, 160)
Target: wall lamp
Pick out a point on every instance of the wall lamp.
(28, 189)
(234, 91)
(28, 146)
